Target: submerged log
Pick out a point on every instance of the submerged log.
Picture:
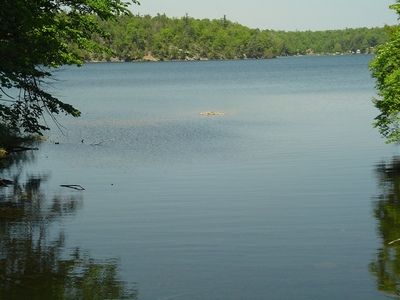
(395, 241)
(21, 148)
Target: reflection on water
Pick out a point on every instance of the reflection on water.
(386, 266)
(34, 263)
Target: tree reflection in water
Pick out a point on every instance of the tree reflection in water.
(386, 266)
(33, 259)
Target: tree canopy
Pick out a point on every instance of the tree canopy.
(162, 38)
(386, 70)
(36, 36)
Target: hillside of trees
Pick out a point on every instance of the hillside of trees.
(163, 38)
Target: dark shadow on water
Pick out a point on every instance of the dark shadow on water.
(34, 262)
(386, 265)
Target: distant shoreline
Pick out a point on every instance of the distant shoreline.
(116, 60)
(138, 39)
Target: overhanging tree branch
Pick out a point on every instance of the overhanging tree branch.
(36, 36)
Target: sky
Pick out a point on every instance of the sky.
(280, 14)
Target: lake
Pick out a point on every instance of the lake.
(289, 194)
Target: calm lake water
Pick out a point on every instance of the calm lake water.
(291, 194)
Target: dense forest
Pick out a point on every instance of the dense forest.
(163, 38)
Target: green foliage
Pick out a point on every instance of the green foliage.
(133, 37)
(36, 36)
(386, 70)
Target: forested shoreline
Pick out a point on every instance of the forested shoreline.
(136, 38)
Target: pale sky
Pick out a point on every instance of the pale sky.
(280, 14)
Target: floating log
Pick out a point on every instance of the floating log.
(211, 113)
(73, 186)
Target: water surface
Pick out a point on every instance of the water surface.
(276, 199)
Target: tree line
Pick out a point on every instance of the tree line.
(134, 37)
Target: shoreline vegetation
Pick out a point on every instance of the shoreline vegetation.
(137, 38)
(12, 142)
(150, 58)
